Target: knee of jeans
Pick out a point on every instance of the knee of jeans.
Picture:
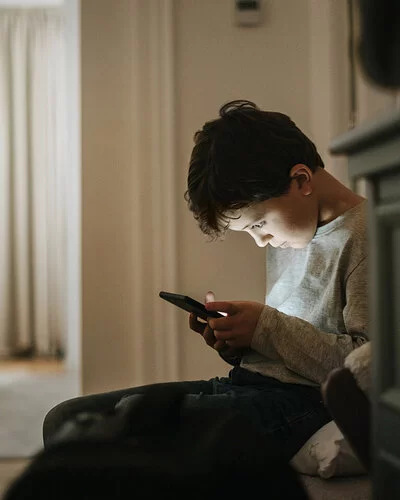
(54, 418)
(127, 400)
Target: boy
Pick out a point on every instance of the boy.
(255, 171)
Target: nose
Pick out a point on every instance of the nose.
(262, 240)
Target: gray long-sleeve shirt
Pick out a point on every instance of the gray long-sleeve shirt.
(316, 304)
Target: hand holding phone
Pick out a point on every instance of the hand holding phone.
(198, 310)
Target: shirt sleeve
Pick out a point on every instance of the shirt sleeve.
(306, 350)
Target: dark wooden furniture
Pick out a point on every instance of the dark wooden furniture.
(373, 152)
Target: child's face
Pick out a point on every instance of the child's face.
(289, 220)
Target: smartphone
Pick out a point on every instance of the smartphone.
(190, 305)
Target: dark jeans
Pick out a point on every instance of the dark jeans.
(288, 413)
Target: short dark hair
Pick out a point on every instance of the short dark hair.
(242, 158)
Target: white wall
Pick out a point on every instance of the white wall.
(31, 3)
(108, 203)
(295, 62)
(216, 62)
(73, 188)
(329, 78)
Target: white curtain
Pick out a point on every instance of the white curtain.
(32, 171)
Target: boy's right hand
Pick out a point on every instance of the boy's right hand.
(208, 333)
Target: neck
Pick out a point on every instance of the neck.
(334, 198)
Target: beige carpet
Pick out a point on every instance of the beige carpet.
(25, 398)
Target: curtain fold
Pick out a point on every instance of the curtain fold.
(32, 187)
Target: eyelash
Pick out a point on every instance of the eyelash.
(259, 225)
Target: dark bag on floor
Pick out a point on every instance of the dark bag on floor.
(151, 448)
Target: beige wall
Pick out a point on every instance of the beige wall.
(215, 61)
(107, 201)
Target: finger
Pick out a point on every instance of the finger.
(195, 324)
(221, 323)
(208, 336)
(224, 335)
(225, 307)
(220, 345)
(210, 297)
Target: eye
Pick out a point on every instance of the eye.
(258, 225)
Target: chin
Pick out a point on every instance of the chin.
(299, 244)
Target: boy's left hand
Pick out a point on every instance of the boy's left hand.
(237, 328)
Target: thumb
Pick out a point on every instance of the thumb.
(210, 297)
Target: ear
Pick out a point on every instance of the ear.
(303, 176)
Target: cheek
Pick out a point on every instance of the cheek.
(305, 217)
(292, 224)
